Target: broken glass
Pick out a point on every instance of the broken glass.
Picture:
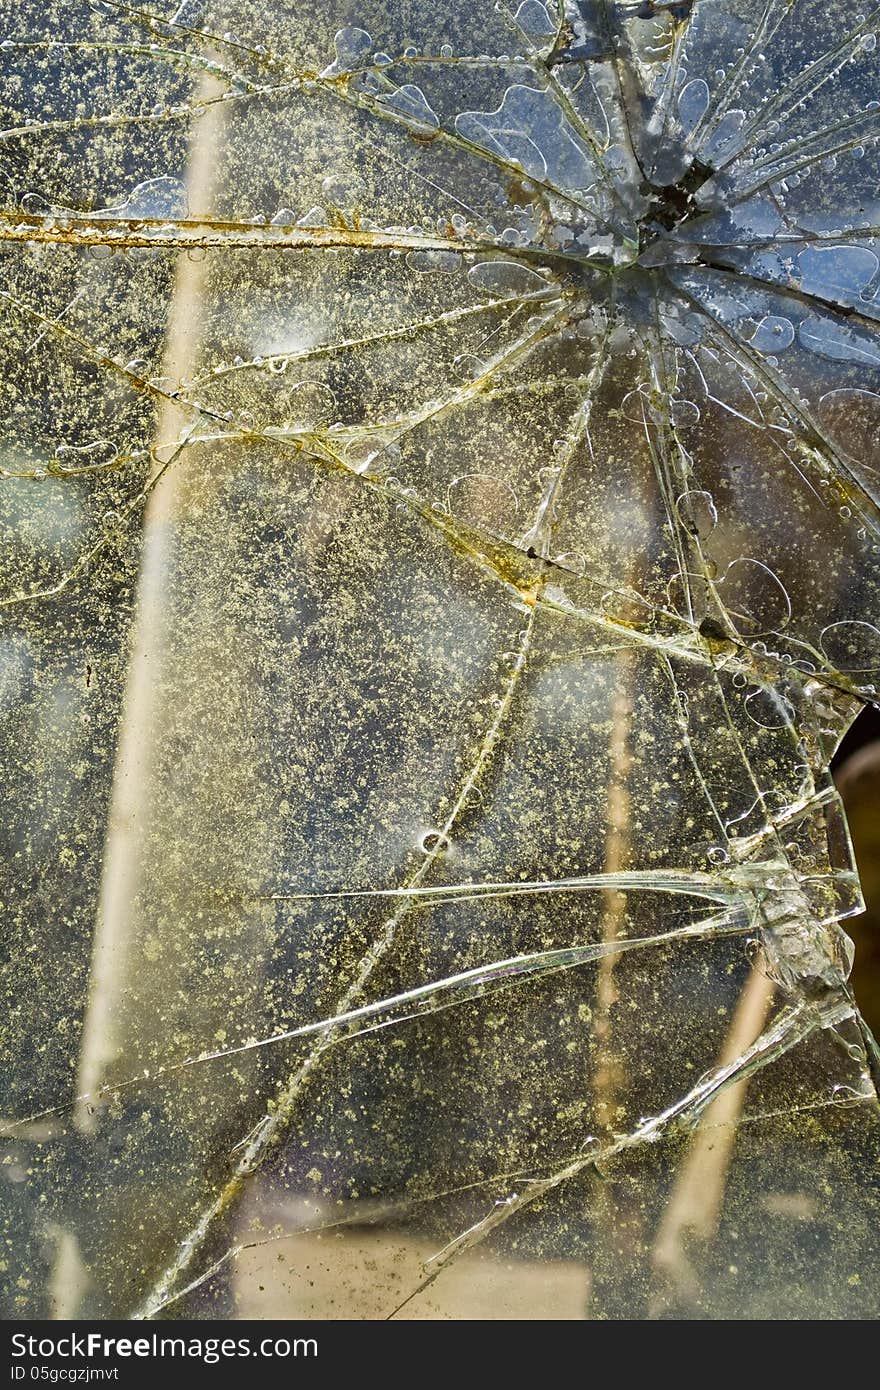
(440, 510)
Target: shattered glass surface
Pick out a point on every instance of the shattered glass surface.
(439, 490)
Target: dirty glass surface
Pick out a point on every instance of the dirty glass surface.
(439, 494)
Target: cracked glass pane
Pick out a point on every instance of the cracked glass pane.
(440, 495)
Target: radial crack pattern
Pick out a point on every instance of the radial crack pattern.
(441, 501)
